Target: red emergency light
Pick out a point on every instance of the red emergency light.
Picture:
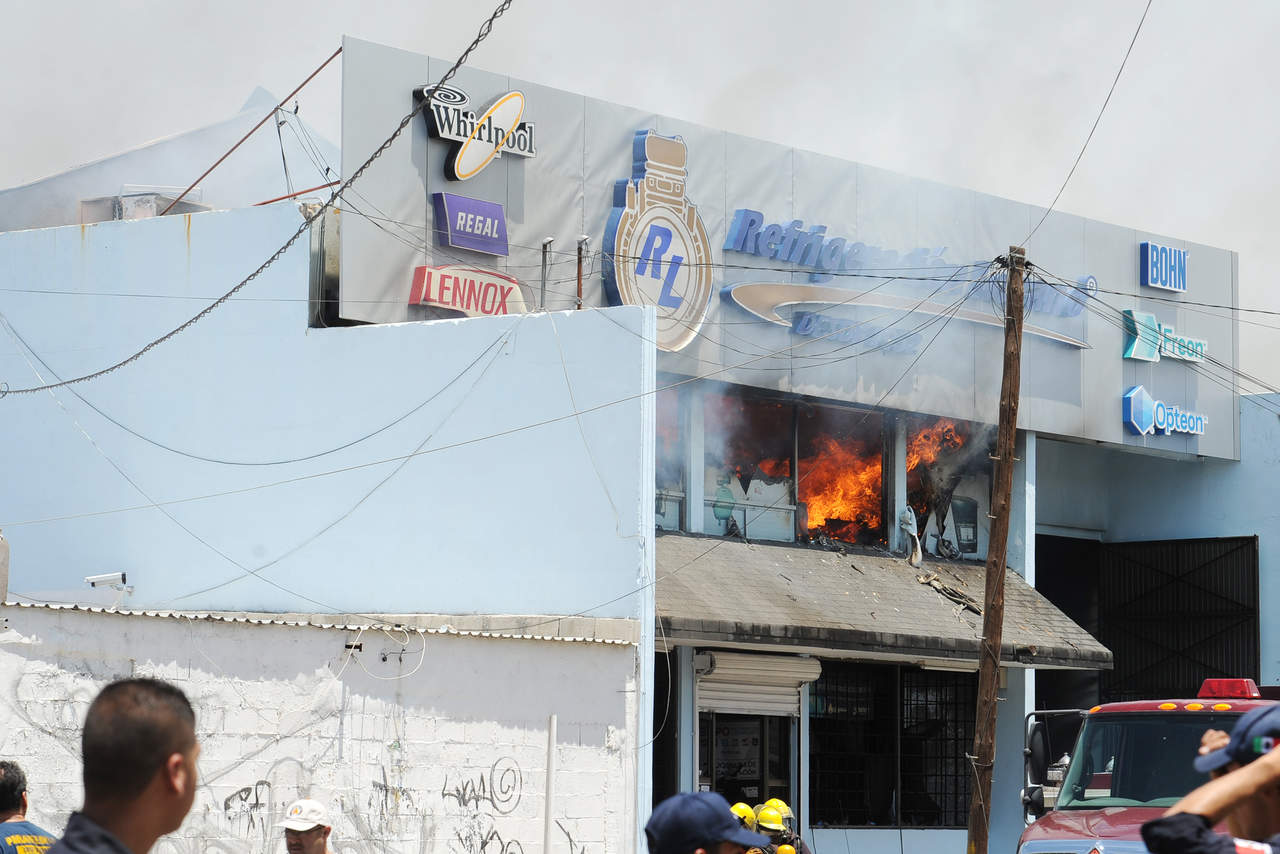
(1238, 689)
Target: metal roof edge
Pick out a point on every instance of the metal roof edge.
(856, 640)
(245, 618)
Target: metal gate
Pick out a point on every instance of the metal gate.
(1176, 612)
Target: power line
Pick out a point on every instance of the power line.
(257, 572)
(762, 510)
(485, 29)
(461, 443)
(1110, 92)
(226, 462)
(1197, 368)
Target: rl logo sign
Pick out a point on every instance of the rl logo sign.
(470, 290)
(656, 248)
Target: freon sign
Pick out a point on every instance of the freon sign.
(1147, 339)
(478, 140)
(1162, 267)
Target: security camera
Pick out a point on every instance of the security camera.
(108, 579)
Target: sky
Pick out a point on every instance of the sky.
(995, 95)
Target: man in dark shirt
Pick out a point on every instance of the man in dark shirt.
(1248, 791)
(17, 835)
(139, 747)
(698, 823)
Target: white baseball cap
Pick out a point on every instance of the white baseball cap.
(305, 815)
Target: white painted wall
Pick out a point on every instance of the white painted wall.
(555, 519)
(427, 754)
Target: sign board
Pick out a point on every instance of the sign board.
(770, 266)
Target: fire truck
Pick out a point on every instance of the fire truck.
(1129, 762)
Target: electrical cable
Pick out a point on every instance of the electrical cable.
(1117, 320)
(228, 462)
(256, 573)
(451, 446)
(1110, 92)
(288, 181)
(485, 29)
(1121, 321)
(721, 541)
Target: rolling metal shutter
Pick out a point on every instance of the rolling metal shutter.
(744, 684)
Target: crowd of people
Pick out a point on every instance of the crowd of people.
(139, 751)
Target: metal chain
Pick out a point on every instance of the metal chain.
(483, 33)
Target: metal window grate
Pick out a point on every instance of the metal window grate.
(937, 732)
(881, 736)
(853, 723)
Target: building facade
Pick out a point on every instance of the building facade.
(787, 365)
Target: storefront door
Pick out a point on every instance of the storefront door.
(745, 757)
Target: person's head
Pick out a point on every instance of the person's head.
(788, 817)
(746, 815)
(698, 823)
(1256, 732)
(139, 746)
(306, 827)
(13, 791)
(769, 820)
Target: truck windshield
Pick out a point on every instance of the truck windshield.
(1137, 760)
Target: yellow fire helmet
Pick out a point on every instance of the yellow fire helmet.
(745, 814)
(770, 819)
(786, 849)
(781, 806)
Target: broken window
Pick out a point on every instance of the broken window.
(948, 484)
(841, 465)
(748, 487)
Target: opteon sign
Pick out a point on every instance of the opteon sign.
(477, 140)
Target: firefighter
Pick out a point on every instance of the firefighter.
(792, 836)
(745, 814)
(769, 821)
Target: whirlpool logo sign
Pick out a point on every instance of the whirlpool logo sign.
(477, 140)
(656, 250)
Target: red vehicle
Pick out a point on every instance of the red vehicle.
(1131, 762)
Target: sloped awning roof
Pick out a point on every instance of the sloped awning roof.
(728, 591)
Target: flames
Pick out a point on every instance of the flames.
(841, 486)
(930, 442)
(841, 481)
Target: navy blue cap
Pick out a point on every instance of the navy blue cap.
(692, 820)
(1256, 733)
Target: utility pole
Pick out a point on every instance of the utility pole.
(984, 736)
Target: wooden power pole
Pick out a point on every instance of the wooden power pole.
(984, 736)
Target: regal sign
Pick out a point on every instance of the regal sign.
(464, 223)
(473, 291)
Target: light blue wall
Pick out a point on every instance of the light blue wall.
(544, 520)
(1130, 497)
